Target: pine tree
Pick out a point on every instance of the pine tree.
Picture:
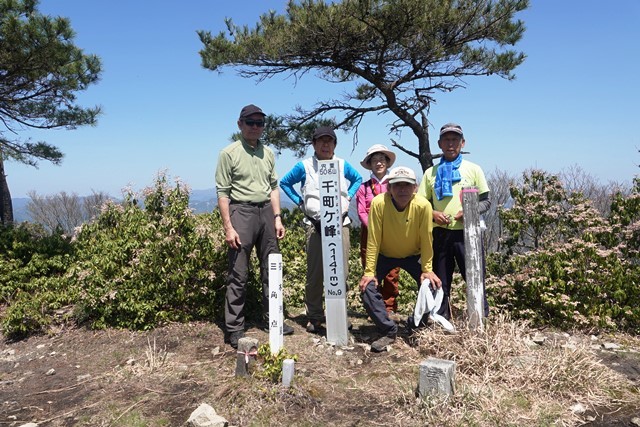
(41, 70)
(390, 55)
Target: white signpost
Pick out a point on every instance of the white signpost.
(332, 253)
(276, 312)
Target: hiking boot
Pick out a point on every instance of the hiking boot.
(314, 326)
(234, 337)
(411, 326)
(394, 316)
(382, 343)
(287, 329)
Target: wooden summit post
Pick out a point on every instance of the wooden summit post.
(332, 253)
(473, 258)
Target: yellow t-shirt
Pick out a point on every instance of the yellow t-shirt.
(396, 234)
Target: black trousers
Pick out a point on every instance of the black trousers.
(448, 250)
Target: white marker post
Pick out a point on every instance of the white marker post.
(332, 253)
(276, 312)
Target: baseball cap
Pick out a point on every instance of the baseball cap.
(451, 127)
(324, 131)
(250, 109)
(401, 174)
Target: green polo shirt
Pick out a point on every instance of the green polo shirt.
(246, 174)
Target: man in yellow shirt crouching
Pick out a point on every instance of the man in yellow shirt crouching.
(399, 235)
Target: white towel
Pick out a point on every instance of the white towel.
(424, 302)
(443, 322)
(428, 303)
(437, 301)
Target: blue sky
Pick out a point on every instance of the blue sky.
(574, 101)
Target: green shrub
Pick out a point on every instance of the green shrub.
(139, 266)
(294, 258)
(272, 363)
(32, 264)
(565, 264)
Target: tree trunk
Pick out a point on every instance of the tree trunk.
(6, 207)
(424, 151)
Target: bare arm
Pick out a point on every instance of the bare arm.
(275, 204)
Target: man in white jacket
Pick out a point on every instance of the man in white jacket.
(305, 173)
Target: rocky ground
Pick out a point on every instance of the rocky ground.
(79, 377)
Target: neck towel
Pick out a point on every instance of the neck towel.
(446, 175)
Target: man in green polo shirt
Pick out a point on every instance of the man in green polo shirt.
(249, 202)
(442, 185)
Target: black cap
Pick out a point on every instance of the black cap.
(250, 109)
(325, 131)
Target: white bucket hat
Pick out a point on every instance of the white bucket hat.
(377, 148)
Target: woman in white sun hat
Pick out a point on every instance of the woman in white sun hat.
(378, 160)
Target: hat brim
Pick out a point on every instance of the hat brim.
(453, 130)
(402, 179)
(251, 114)
(392, 159)
(324, 134)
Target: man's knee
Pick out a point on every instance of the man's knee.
(370, 293)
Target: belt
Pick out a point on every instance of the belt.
(256, 204)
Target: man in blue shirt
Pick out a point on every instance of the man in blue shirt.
(306, 173)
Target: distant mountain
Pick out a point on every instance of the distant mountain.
(206, 200)
(201, 201)
(203, 195)
(20, 213)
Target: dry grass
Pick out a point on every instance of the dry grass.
(155, 357)
(503, 378)
(160, 377)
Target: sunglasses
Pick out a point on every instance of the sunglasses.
(258, 123)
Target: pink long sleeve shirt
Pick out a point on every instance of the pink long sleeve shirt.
(367, 191)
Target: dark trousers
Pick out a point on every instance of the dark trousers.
(256, 227)
(372, 298)
(314, 287)
(448, 250)
(390, 283)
